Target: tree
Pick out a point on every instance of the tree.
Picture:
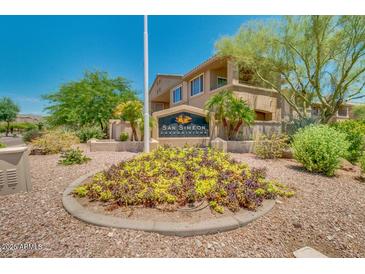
(8, 112)
(132, 112)
(304, 58)
(88, 102)
(359, 112)
(230, 112)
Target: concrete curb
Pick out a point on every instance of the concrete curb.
(182, 229)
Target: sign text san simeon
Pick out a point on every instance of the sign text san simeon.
(183, 125)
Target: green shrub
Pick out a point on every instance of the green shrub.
(362, 163)
(359, 112)
(2, 127)
(355, 134)
(2, 145)
(31, 135)
(178, 176)
(319, 148)
(124, 136)
(53, 142)
(40, 125)
(272, 146)
(72, 157)
(23, 126)
(81, 191)
(293, 126)
(87, 133)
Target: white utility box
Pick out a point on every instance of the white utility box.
(14, 170)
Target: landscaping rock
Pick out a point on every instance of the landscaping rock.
(198, 243)
(219, 144)
(320, 203)
(308, 252)
(288, 154)
(330, 237)
(346, 165)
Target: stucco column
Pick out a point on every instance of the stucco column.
(111, 123)
(232, 73)
(207, 76)
(185, 91)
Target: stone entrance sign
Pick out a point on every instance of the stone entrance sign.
(183, 124)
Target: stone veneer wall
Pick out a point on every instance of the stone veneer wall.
(240, 146)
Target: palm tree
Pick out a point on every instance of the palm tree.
(130, 111)
(230, 112)
(140, 123)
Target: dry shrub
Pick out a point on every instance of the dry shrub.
(272, 146)
(53, 142)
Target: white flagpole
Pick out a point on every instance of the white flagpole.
(146, 95)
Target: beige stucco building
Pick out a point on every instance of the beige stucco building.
(207, 79)
(212, 76)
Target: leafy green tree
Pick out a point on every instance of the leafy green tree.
(230, 112)
(304, 58)
(8, 112)
(359, 112)
(132, 112)
(88, 102)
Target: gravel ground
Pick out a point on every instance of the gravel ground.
(12, 141)
(327, 214)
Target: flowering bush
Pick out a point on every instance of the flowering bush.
(319, 148)
(271, 147)
(178, 176)
(54, 142)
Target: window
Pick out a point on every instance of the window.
(221, 81)
(342, 112)
(196, 85)
(177, 95)
(315, 112)
(263, 116)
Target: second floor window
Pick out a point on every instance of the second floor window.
(196, 85)
(221, 81)
(177, 94)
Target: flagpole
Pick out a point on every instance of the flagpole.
(146, 95)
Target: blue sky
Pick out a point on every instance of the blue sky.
(39, 53)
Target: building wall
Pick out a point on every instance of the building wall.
(214, 74)
(270, 107)
(162, 83)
